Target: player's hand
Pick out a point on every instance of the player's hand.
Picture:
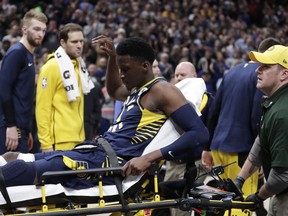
(135, 166)
(106, 44)
(140, 164)
(12, 138)
(207, 160)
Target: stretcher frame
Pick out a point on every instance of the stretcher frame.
(128, 205)
(131, 199)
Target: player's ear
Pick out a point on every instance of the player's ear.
(145, 65)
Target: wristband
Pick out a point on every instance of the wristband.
(239, 178)
(259, 198)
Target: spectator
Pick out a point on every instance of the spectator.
(14, 32)
(156, 69)
(4, 25)
(175, 55)
(101, 70)
(185, 55)
(208, 70)
(4, 48)
(93, 102)
(59, 99)
(17, 82)
(206, 23)
(165, 67)
(51, 37)
(107, 111)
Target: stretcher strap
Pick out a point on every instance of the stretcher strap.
(4, 190)
(114, 162)
(110, 152)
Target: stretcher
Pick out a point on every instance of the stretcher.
(133, 196)
(129, 197)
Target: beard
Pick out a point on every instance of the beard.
(32, 41)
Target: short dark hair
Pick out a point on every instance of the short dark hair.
(267, 43)
(70, 27)
(137, 48)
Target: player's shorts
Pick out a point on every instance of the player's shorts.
(89, 158)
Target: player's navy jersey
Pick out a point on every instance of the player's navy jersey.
(135, 126)
(17, 82)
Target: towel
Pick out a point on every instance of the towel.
(68, 75)
(87, 83)
(193, 90)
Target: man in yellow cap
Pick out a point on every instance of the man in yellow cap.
(272, 150)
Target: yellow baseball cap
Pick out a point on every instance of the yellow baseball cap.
(276, 54)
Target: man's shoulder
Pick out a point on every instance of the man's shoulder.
(161, 84)
(50, 65)
(16, 56)
(245, 66)
(51, 59)
(16, 49)
(160, 90)
(164, 90)
(245, 70)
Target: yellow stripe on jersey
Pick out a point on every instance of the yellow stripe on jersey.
(148, 126)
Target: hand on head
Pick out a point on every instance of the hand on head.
(105, 43)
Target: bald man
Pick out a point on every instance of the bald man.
(185, 70)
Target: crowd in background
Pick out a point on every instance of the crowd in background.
(212, 34)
